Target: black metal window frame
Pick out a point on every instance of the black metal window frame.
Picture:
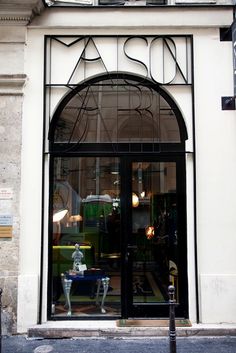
(118, 147)
(186, 79)
(127, 310)
(148, 151)
(165, 150)
(106, 4)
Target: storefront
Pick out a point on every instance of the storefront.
(117, 184)
(120, 165)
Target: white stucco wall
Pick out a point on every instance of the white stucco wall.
(215, 150)
(216, 172)
(31, 188)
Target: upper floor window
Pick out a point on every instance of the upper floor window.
(105, 2)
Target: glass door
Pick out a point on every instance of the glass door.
(117, 234)
(156, 248)
(117, 237)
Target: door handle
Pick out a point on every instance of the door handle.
(127, 254)
(126, 257)
(132, 246)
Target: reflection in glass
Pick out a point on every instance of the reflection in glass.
(89, 190)
(154, 231)
(117, 111)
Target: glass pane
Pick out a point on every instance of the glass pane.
(154, 231)
(117, 111)
(86, 237)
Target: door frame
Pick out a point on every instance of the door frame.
(128, 310)
(161, 309)
(155, 151)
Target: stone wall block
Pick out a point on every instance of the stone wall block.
(10, 177)
(9, 303)
(9, 256)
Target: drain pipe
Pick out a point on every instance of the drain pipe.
(172, 331)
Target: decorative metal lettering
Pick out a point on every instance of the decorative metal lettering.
(132, 58)
(89, 42)
(71, 61)
(162, 44)
(164, 54)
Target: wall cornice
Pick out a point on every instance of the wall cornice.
(19, 12)
(12, 84)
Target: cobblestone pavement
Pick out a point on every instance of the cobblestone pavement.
(22, 344)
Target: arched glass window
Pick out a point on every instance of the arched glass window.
(117, 203)
(117, 110)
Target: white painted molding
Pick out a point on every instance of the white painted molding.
(6, 19)
(12, 84)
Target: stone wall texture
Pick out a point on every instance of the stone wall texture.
(10, 162)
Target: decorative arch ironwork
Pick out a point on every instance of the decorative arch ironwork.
(117, 112)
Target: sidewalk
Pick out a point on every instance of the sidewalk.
(22, 344)
(104, 329)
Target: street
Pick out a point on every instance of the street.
(22, 344)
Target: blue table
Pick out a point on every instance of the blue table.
(68, 279)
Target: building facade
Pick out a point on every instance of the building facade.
(117, 161)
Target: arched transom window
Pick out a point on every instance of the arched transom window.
(117, 110)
